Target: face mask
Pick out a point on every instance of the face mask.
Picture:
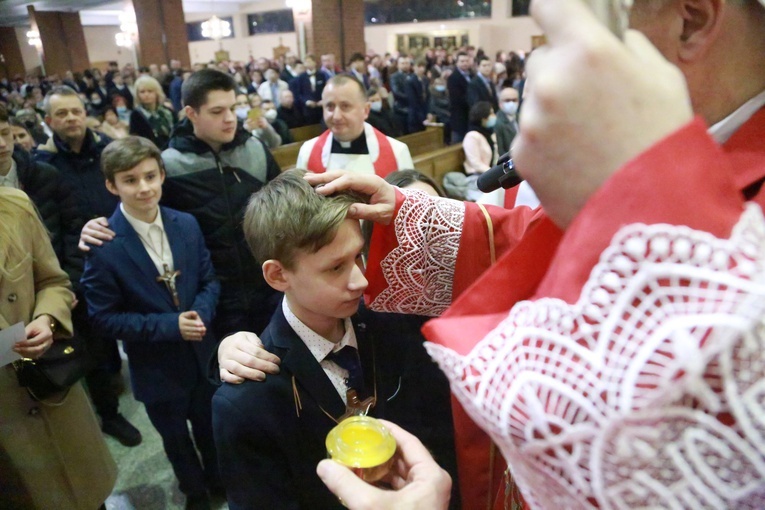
(491, 121)
(95, 102)
(122, 109)
(510, 107)
(441, 88)
(270, 115)
(241, 112)
(376, 106)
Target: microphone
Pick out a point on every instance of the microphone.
(502, 175)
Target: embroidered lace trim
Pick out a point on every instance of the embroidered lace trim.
(649, 392)
(420, 270)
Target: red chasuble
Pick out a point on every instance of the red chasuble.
(684, 180)
(384, 164)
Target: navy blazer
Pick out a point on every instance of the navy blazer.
(303, 89)
(268, 445)
(125, 301)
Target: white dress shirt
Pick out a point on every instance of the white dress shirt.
(320, 347)
(154, 239)
(11, 179)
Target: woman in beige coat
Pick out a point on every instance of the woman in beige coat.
(52, 455)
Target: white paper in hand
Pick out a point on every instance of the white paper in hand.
(8, 338)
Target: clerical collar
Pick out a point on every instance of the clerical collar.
(357, 146)
(723, 130)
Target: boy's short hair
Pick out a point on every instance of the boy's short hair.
(126, 153)
(196, 87)
(288, 216)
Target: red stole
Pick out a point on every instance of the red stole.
(384, 164)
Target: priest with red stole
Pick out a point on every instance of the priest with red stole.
(350, 143)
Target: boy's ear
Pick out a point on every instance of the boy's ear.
(112, 188)
(273, 273)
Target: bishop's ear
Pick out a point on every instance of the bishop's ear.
(274, 274)
(702, 21)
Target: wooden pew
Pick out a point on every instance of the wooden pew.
(424, 141)
(301, 134)
(438, 163)
(286, 155)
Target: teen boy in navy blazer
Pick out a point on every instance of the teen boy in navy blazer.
(154, 288)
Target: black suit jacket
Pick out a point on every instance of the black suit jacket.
(303, 93)
(268, 454)
(458, 95)
(477, 91)
(418, 94)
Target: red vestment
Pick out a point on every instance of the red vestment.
(684, 180)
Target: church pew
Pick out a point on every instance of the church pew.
(438, 163)
(301, 134)
(286, 155)
(424, 141)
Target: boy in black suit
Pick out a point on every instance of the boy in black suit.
(270, 435)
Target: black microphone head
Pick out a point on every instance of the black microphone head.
(503, 176)
(489, 180)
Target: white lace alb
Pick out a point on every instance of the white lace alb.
(648, 392)
(420, 270)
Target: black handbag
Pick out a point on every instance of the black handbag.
(62, 365)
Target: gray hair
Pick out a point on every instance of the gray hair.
(61, 90)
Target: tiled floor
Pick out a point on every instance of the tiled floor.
(145, 480)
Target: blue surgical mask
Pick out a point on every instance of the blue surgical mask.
(376, 106)
(241, 112)
(122, 109)
(491, 122)
(440, 88)
(510, 107)
(270, 115)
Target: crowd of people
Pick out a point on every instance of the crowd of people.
(606, 343)
(406, 94)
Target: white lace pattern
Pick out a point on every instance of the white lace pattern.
(420, 270)
(648, 392)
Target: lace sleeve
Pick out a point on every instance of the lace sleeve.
(419, 272)
(648, 392)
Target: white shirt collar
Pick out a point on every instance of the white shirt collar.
(317, 344)
(141, 227)
(723, 130)
(11, 179)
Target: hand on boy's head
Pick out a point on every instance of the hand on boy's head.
(95, 232)
(419, 482)
(191, 326)
(382, 196)
(242, 356)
